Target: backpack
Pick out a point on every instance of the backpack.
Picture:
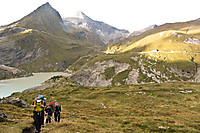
(38, 108)
(49, 111)
(51, 105)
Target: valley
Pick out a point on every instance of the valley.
(117, 81)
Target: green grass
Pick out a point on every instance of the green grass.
(138, 108)
(119, 78)
(50, 53)
(158, 68)
(109, 72)
(50, 45)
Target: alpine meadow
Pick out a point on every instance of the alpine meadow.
(114, 81)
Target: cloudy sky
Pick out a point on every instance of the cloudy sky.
(124, 14)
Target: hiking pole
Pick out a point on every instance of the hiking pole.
(45, 121)
(52, 119)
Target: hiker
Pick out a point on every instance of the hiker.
(49, 113)
(42, 119)
(51, 105)
(57, 112)
(38, 105)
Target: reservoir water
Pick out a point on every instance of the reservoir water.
(7, 87)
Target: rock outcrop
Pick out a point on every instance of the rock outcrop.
(144, 70)
(15, 101)
(132, 77)
(94, 75)
(7, 72)
(197, 75)
(192, 40)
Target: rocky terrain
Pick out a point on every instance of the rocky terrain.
(170, 52)
(10, 72)
(106, 32)
(15, 101)
(94, 75)
(140, 69)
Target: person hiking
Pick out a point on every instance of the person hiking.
(57, 112)
(51, 105)
(49, 113)
(38, 105)
(42, 119)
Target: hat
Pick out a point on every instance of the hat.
(41, 96)
(51, 103)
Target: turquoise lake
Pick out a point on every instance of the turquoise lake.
(7, 87)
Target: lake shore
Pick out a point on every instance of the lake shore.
(27, 84)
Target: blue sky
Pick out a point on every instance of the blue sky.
(124, 14)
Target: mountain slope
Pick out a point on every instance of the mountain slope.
(10, 72)
(167, 41)
(41, 42)
(136, 33)
(167, 107)
(44, 18)
(166, 53)
(106, 32)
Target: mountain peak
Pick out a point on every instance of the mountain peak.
(47, 3)
(105, 32)
(45, 6)
(81, 15)
(44, 18)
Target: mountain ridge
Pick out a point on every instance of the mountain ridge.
(106, 32)
(41, 42)
(170, 52)
(60, 44)
(136, 33)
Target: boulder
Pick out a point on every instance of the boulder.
(15, 101)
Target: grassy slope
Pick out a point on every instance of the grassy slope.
(163, 38)
(44, 33)
(59, 50)
(139, 108)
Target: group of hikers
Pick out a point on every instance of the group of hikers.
(41, 108)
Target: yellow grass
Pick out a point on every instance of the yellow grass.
(26, 31)
(169, 44)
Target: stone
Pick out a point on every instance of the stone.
(15, 101)
(93, 75)
(133, 77)
(192, 40)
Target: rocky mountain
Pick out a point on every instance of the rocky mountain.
(42, 42)
(10, 72)
(106, 32)
(136, 33)
(170, 52)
